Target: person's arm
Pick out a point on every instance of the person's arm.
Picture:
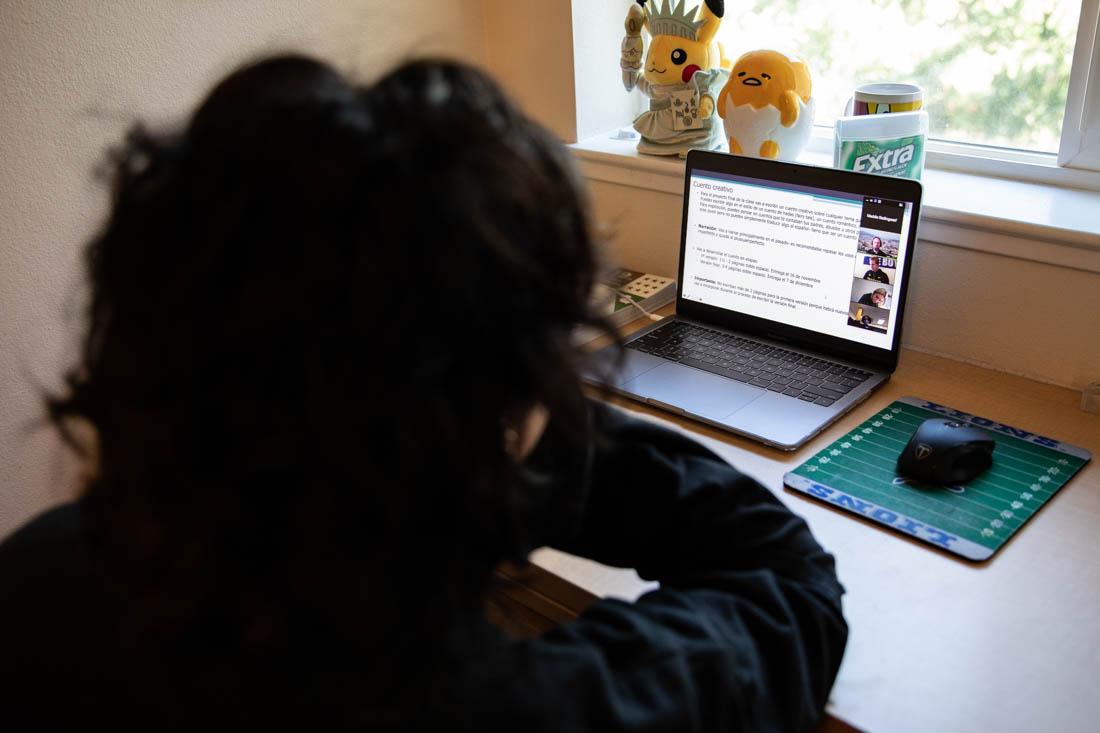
(746, 631)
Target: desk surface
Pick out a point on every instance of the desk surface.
(939, 643)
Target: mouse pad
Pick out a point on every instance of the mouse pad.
(858, 473)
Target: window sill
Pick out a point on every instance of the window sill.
(1044, 223)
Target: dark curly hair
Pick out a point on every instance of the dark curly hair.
(315, 313)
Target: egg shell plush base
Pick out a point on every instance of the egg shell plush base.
(751, 127)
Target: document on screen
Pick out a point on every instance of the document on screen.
(794, 254)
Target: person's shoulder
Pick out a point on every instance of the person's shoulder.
(54, 608)
(44, 565)
(51, 532)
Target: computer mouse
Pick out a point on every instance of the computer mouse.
(943, 451)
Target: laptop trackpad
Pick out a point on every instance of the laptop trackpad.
(693, 390)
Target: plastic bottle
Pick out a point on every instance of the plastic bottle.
(888, 144)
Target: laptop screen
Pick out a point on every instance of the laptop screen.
(823, 260)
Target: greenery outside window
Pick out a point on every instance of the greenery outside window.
(994, 72)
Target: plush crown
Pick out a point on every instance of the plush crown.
(673, 21)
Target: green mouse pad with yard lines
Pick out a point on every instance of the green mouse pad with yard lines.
(858, 473)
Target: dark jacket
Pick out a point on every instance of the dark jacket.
(877, 275)
(745, 632)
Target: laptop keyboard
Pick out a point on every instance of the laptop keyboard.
(796, 375)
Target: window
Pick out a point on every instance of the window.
(994, 72)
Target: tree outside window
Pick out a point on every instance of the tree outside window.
(994, 72)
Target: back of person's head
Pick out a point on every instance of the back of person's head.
(317, 313)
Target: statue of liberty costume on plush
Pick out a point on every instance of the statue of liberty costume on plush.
(683, 73)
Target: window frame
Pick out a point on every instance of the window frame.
(1080, 143)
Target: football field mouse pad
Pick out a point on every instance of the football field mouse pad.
(858, 473)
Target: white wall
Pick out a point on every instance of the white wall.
(559, 59)
(529, 49)
(1011, 315)
(73, 75)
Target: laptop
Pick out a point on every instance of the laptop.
(789, 301)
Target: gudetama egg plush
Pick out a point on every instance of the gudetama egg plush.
(767, 105)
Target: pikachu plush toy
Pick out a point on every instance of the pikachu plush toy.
(681, 74)
(767, 106)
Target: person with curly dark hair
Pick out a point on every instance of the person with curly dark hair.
(327, 386)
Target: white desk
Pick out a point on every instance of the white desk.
(938, 643)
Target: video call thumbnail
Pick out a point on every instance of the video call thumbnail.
(882, 244)
(868, 317)
(872, 293)
(878, 269)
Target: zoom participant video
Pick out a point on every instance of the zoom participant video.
(877, 251)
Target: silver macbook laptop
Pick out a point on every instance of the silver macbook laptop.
(789, 301)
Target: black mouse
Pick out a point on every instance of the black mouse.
(946, 452)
